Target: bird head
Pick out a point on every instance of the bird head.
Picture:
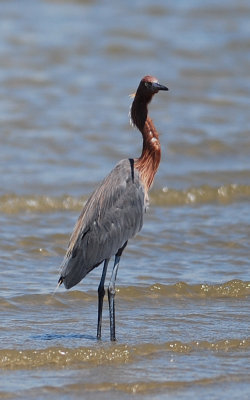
(150, 85)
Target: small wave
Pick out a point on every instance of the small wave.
(58, 300)
(205, 194)
(13, 204)
(166, 197)
(231, 289)
(150, 386)
(60, 357)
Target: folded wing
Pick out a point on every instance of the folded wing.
(112, 215)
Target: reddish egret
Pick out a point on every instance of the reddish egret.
(114, 212)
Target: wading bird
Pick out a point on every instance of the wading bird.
(114, 212)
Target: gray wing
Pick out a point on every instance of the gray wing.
(112, 215)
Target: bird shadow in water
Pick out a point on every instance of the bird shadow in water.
(56, 336)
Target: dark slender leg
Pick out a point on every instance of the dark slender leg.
(111, 293)
(101, 294)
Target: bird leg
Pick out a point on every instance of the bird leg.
(101, 294)
(111, 293)
(111, 297)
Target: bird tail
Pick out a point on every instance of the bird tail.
(60, 281)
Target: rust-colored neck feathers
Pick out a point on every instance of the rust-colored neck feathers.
(148, 162)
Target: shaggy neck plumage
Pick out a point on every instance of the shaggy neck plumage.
(147, 164)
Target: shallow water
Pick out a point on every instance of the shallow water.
(67, 68)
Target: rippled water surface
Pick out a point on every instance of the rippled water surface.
(67, 69)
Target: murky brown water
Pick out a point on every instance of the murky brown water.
(67, 68)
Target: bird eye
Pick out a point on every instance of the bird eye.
(148, 84)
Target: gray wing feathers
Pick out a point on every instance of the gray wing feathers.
(112, 215)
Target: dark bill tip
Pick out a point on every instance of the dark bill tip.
(159, 87)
